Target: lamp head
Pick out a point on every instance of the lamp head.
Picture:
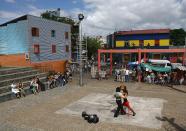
(81, 17)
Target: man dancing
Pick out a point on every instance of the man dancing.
(119, 96)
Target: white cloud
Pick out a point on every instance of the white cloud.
(74, 2)
(9, 15)
(106, 16)
(31, 0)
(10, 1)
(33, 10)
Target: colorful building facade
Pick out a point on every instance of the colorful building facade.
(142, 39)
(33, 41)
(155, 39)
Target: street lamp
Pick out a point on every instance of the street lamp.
(80, 17)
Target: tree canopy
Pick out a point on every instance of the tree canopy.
(93, 44)
(177, 37)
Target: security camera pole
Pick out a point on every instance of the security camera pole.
(81, 17)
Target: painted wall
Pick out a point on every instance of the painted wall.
(14, 60)
(164, 42)
(14, 38)
(142, 37)
(148, 39)
(134, 42)
(149, 42)
(45, 40)
(18, 60)
(120, 44)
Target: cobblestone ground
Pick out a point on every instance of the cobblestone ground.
(37, 112)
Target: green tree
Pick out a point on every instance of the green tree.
(177, 37)
(93, 44)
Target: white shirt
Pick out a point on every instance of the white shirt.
(14, 89)
(127, 72)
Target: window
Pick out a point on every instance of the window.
(36, 49)
(66, 35)
(141, 43)
(35, 31)
(53, 33)
(157, 42)
(27, 56)
(53, 48)
(126, 43)
(67, 48)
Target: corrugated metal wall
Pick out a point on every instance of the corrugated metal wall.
(45, 40)
(14, 38)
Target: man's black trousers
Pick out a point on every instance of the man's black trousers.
(119, 108)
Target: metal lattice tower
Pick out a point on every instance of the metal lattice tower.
(83, 48)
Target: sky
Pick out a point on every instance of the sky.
(103, 17)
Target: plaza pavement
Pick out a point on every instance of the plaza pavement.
(46, 111)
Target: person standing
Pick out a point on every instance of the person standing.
(152, 75)
(119, 96)
(123, 74)
(127, 75)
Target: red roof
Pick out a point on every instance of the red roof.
(151, 31)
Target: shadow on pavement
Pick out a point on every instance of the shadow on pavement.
(171, 121)
(173, 88)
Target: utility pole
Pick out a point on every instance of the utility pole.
(81, 17)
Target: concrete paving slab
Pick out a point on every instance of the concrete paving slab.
(147, 110)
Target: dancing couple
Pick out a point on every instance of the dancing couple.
(121, 95)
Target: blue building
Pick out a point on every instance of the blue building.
(35, 40)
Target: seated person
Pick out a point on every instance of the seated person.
(20, 87)
(34, 86)
(56, 79)
(15, 90)
(41, 86)
(60, 79)
(50, 82)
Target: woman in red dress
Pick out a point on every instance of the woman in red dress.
(126, 102)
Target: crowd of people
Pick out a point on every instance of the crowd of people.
(173, 78)
(125, 74)
(36, 85)
(58, 79)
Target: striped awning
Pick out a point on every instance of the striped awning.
(183, 68)
(178, 66)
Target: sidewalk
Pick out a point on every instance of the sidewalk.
(38, 112)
